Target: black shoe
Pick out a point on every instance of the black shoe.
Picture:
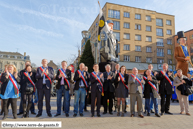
(38, 115)
(33, 113)
(20, 113)
(67, 115)
(56, 115)
(104, 113)
(157, 115)
(81, 114)
(169, 113)
(92, 115)
(125, 111)
(49, 115)
(74, 115)
(98, 115)
(111, 113)
(152, 111)
(148, 114)
(145, 112)
(162, 114)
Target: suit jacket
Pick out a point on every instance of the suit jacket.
(95, 85)
(134, 84)
(164, 83)
(109, 84)
(149, 89)
(68, 74)
(180, 58)
(77, 79)
(39, 78)
(117, 82)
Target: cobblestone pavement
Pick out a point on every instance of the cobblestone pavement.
(175, 121)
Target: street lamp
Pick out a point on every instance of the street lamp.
(85, 34)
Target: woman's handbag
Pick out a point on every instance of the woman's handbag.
(189, 90)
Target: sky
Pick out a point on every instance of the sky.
(51, 29)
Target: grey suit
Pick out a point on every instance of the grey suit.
(136, 93)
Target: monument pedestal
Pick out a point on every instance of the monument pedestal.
(103, 64)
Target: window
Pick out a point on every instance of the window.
(117, 35)
(159, 32)
(169, 41)
(137, 26)
(138, 48)
(160, 52)
(126, 36)
(148, 49)
(160, 61)
(168, 22)
(148, 28)
(169, 61)
(160, 42)
(148, 38)
(114, 14)
(169, 32)
(138, 16)
(138, 37)
(148, 60)
(127, 14)
(126, 47)
(116, 25)
(126, 25)
(138, 59)
(159, 22)
(118, 47)
(169, 51)
(126, 58)
(148, 18)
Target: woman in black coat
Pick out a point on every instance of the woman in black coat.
(27, 89)
(121, 89)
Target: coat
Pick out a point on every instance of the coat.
(109, 84)
(134, 84)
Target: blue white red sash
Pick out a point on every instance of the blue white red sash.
(98, 79)
(46, 75)
(138, 80)
(167, 77)
(82, 76)
(150, 83)
(25, 73)
(63, 73)
(12, 79)
(121, 76)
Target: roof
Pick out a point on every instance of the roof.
(52, 64)
(11, 53)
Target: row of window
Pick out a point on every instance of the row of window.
(116, 14)
(148, 59)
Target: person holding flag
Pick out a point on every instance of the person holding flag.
(10, 90)
(166, 88)
(136, 92)
(96, 79)
(81, 84)
(151, 91)
(63, 86)
(27, 89)
(121, 89)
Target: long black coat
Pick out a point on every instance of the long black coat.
(148, 88)
(109, 84)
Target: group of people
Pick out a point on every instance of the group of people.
(114, 86)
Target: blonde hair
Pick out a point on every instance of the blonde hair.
(12, 65)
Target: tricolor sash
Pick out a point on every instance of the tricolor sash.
(167, 77)
(98, 79)
(138, 80)
(46, 75)
(25, 73)
(121, 77)
(12, 79)
(150, 83)
(63, 73)
(82, 76)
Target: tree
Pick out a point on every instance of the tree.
(87, 57)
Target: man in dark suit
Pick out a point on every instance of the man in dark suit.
(96, 79)
(109, 88)
(165, 88)
(86, 101)
(63, 86)
(44, 77)
(81, 79)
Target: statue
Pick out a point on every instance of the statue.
(108, 45)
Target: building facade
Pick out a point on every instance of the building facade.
(13, 58)
(144, 36)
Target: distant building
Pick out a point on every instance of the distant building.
(54, 66)
(13, 58)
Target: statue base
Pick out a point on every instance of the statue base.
(103, 64)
